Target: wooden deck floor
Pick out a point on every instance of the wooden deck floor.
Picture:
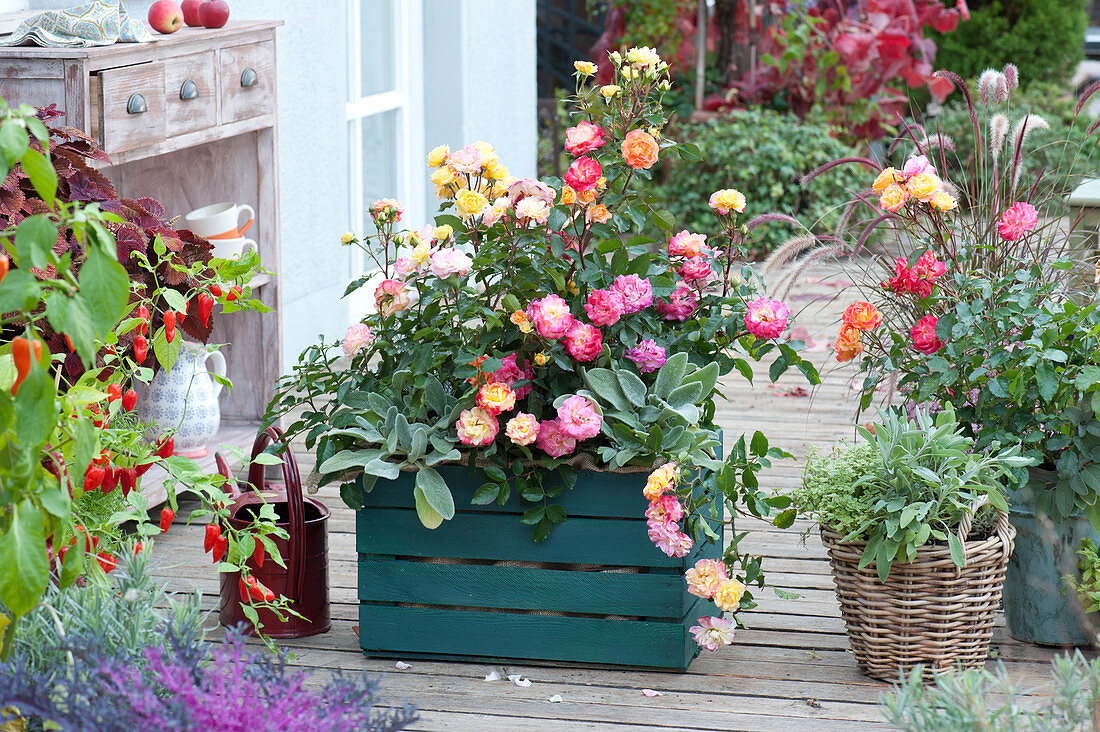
(790, 670)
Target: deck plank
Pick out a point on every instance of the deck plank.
(790, 669)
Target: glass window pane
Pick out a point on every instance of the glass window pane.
(379, 160)
(376, 42)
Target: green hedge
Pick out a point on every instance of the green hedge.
(1044, 38)
(763, 154)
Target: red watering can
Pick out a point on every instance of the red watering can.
(304, 580)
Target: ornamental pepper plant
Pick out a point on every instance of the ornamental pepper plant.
(983, 297)
(538, 327)
(78, 330)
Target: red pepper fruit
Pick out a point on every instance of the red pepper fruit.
(21, 354)
(170, 326)
(98, 418)
(167, 516)
(220, 547)
(258, 554)
(146, 316)
(216, 290)
(142, 468)
(166, 448)
(4, 264)
(233, 293)
(213, 533)
(104, 458)
(258, 591)
(181, 315)
(107, 561)
(69, 343)
(243, 588)
(93, 478)
(138, 546)
(141, 348)
(129, 400)
(127, 479)
(114, 391)
(110, 478)
(206, 306)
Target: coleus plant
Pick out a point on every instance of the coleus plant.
(64, 431)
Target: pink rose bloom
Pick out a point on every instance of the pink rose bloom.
(713, 633)
(766, 318)
(466, 160)
(681, 304)
(703, 579)
(522, 429)
(669, 539)
(403, 267)
(583, 175)
(924, 335)
(916, 165)
(391, 296)
(447, 262)
(695, 268)
(553, 441)
(551, 316)
(476, 427)
(584, 138)
(583, 341)
(529, 187)
(636, 291)
(1017, 220)
(386, 210)
(494, 213)
(647, 356)
(604, 307)
(578, 418)
(665, 509)
(357, 337)
(509, 373)
(686, 244)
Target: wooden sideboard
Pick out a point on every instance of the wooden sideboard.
(188, 119)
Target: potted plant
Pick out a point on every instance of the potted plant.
(531, 406)
(979, 305)
(914, 519)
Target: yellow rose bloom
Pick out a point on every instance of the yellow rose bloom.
(541, 358)
(640, 57)
(443, 176)
(421, 255)
(923, 186)
(496, 171)
(893, 198)
(438, 155)
(470, 202)
(601, 182)
(610, 91)
(728, 595)
(443, 233)
(616, 57)
(444, 193)
(520, 318)
(347, 237)
(660, 481)
(587, 196)
(943, 201)
(568, 195)
(628, 73)
(571, 285)
(584, 68)
(727, 200)
(885, 178)
(598, 213)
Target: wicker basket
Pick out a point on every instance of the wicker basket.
(929, 612)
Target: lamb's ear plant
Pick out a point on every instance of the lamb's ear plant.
(910, 482)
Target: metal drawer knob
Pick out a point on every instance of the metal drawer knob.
(136, 104)
(189, 90)
(249, 77)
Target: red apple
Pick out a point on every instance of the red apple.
(165, 16)
(214, 13)
(191, 12)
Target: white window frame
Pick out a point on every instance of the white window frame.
(406, 99)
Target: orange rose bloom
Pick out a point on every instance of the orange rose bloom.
(639, 149)
(862, 315)
(598, 213)
(848, 344)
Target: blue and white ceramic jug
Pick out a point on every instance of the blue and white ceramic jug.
(186, 399)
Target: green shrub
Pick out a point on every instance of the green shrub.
(1044, 38)
(763, 154)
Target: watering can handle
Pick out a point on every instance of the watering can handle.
(230, 485)
(296, 544)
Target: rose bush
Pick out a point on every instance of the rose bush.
(564, 336)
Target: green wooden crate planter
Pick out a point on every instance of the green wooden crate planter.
(479, 587)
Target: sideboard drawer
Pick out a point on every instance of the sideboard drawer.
(127, 106)
(189, 93)
(246, 81)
